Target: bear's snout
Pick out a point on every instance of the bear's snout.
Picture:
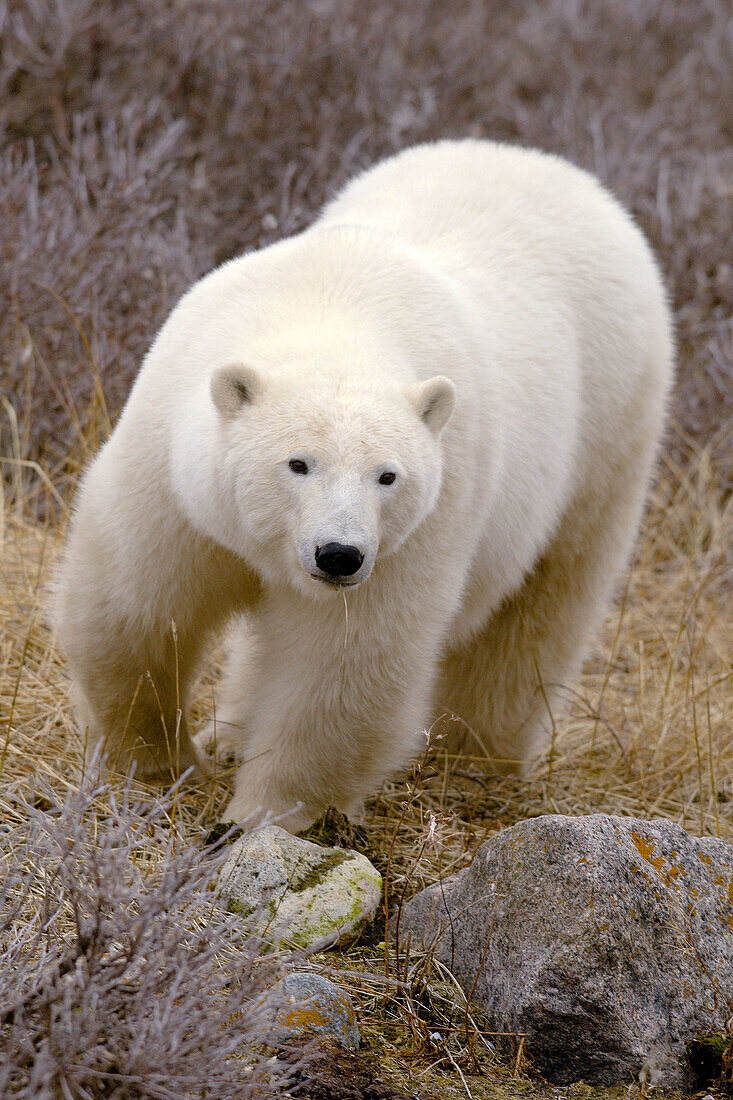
(338, 559)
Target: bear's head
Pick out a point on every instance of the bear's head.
(323, 474)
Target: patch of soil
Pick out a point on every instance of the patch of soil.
(335, 830)
(338, 1074)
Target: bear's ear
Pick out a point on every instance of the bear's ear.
(233, 386)
(433, 401)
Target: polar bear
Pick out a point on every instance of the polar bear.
(405, 451)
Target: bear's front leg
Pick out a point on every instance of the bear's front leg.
(130, 701)
(295, 772)
(254, 803)
(138, 594)
(321, 724)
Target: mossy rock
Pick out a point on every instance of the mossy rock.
(297, 892)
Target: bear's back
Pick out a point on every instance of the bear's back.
(539, 249)
(478, 191)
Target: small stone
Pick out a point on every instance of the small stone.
(299, 893)
(313, 1005)
(606, 941)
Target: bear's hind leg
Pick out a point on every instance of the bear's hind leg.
(505, 686)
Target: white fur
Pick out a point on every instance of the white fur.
(484, 322)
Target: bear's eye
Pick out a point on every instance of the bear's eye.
(387, 477)
(298, 466)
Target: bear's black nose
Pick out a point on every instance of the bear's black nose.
(338, 560)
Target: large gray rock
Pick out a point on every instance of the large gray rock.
(300, 893)
(606, 941)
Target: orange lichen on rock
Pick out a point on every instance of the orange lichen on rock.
(667, 872)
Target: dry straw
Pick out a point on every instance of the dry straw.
(646, 732)
(110, 213)
(647, 729)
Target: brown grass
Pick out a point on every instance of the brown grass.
(140, 145)
(647, 733)
(648, 726)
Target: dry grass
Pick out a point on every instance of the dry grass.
(648, 728)
(647, 733)
(121, 977)
(141, 145)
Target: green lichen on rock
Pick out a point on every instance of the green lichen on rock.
(298, 892)
(314, 873)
